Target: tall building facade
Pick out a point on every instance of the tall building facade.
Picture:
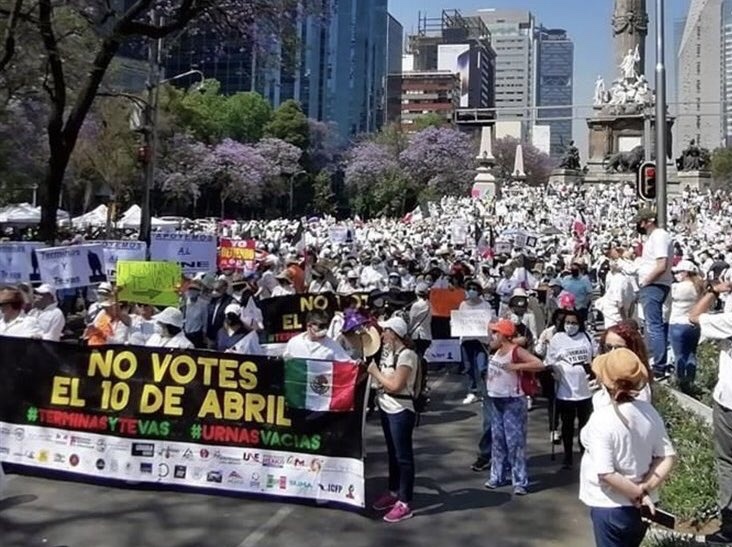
(555, 85)
(534, 68)
(336, 68)
(727, 68)
(701, 76)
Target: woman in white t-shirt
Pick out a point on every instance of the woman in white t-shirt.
(395, 381)
(508, 407)
(628, 453)
(682, 334)
(570, 353)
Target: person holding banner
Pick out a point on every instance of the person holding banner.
(473, 349)
(13, 320)
(46, 311)
(111, 325)
(314, 343)
(396, 380)
(169, 330)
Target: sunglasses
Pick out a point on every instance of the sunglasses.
(319, 325)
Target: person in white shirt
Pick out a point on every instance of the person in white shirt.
(615, 304)
(142, 325)
(718, 326)
(319, 284)
(46, 311)
(267, 281)
(350, 284)
(654, 278)
(169, 331)
(569, 355)
(683, 335)
(314, 342)
(474, 357)
(420, 319)
(285, 286)
(13, 320)
(628, 453)
(195, 314)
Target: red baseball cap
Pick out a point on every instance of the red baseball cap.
(504, 327)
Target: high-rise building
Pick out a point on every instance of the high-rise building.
(394, 54)
(454, 44)
(534, 68)
(701, 77)
(554, 82)
(727, 68)
(512, 37)
(336, 68)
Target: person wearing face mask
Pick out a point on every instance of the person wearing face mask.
(473, 352)
(579, 286)
(169, 331)
(408, 281)
(420, 319)
(142, 325)
(505, 288)
(216, 306)
(319, 284)
(684, 336)
(285, 286)
(569, 355)
(314, 343)
(195, 312)
(615, 304)
(654, 279)
(350, 284)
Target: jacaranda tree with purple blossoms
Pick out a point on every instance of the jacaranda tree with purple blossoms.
(110, 25)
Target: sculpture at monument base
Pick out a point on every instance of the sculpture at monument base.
(625, 162)
(694, 158)
(571, 158)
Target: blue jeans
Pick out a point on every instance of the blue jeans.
(398, 429)
(684, 341)
(508, 427)
(652, 298)
(474, 361)
(617, 526)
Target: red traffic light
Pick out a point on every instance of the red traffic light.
(646, 181)
(650, 171)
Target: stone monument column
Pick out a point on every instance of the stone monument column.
(630, 28)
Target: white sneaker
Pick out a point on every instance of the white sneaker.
(470, 399)
(529, 403)
(555, 437)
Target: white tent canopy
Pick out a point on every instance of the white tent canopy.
(96, 218)
(130, 220)
(25, 213)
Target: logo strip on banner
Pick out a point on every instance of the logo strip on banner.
(194, 418)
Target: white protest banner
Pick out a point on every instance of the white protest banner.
(194, 252)
(469, 322)
(115, 250)
(503, 247)
(460, 231)
(338, 234)
(521, 238)
(18, 263)
(443, 351)
(73, 266)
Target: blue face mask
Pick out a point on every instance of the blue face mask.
(193, 295)
(472, 294)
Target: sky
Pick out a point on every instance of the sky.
(588, 24)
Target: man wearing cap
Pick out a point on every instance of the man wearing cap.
(105, 291)
(195, 312)
(654, 279)
(285, 286)
(46, 311)
(111, 325)
(350, 284)
(579, 285)
(718, 326)
(13, 320)
(220, 298)
(169, 332)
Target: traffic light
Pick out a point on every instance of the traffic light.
(646, 181)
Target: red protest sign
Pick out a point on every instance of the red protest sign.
(236, 254)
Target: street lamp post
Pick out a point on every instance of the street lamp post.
(292, 188)
(661, 126)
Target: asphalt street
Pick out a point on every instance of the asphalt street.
(452, 506)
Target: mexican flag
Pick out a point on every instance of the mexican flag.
(327, 386)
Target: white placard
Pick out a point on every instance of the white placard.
(470, 322)
(443, 351)
(73, 266)
(194, 252)
(115, 250)
(338, 234)
(17, 262)
(460, 231)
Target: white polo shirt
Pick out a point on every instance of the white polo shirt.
(718, 326)
(658, 245)
(51, 320)
(22, 326)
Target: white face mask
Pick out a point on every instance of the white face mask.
(679, 277)
(571, 330)
(158, 329)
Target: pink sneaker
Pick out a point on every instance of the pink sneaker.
(399, 512)
(385, 502)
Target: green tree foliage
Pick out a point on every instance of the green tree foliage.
(245, 115)
(429, 120)
(290, 124)
(324, 199)
(722, 166)
(201, 112)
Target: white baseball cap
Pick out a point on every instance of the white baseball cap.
(397, 325)
(686, 266)
(233, 308)
(44, 289)
(170, 316)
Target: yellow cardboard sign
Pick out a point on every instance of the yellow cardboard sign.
(155, 283)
